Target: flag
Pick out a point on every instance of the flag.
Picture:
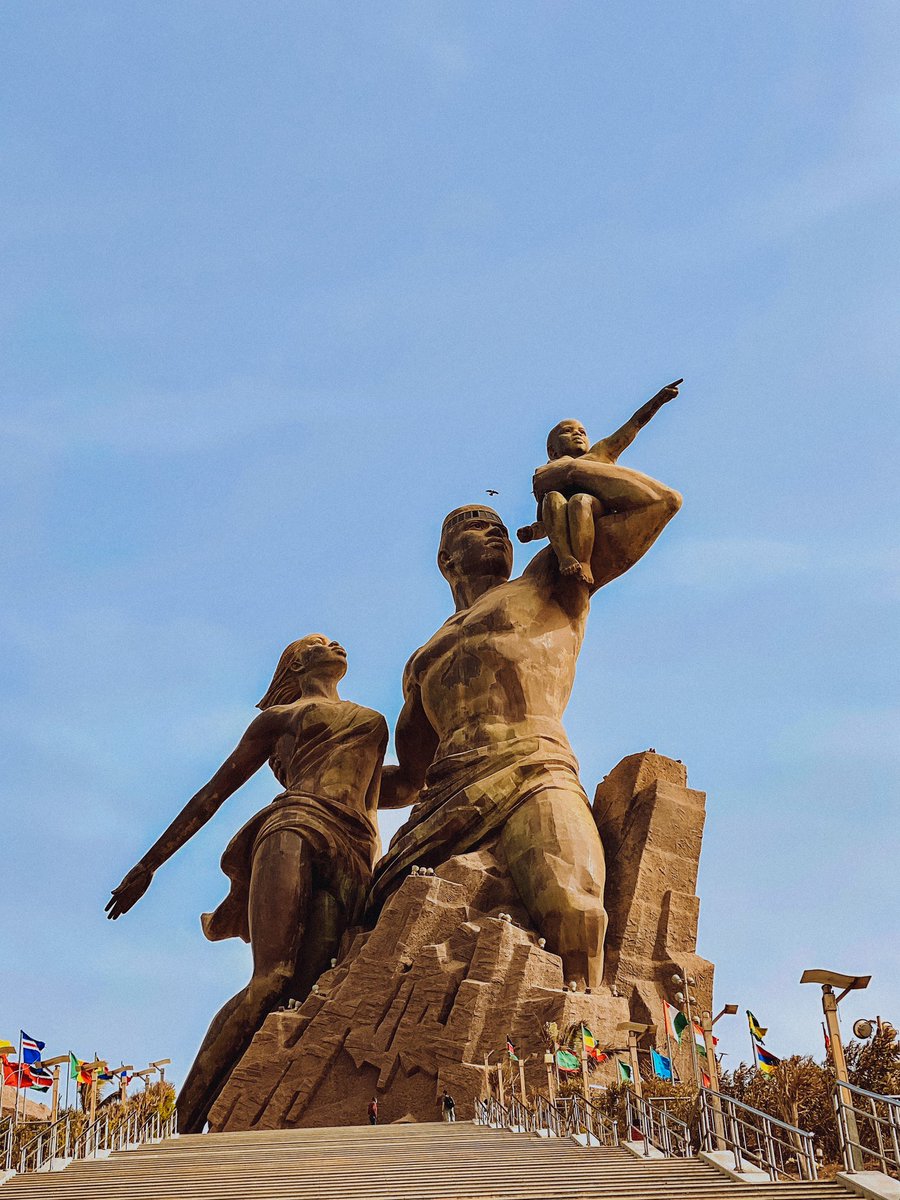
(827, 1039)
(707, 1082)
(756, 1030)
(590, 1045)
(566, 1060)
(625, 1073)
(41, 1078)
(510, 1049)
(676, 1021)
(16, 1074)
(662, 1066)
(700, 1041)
(6, 1047)
(77, 1071)
(31, 1048)
(767, 1062)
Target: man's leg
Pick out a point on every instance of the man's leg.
(280, 884)
(554, 854)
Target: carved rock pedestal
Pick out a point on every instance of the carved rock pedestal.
(442, 980)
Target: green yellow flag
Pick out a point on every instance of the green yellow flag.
(625, 1072)
(755, 1028)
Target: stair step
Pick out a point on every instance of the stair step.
(414, 1161)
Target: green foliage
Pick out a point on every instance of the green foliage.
(801, 1091)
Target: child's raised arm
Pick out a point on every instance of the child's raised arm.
(611, 447)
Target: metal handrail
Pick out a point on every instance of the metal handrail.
(6, 1141)
(44, 1146)
(103, 1134)
(657, 1127)
(582, 1116)
(756, 1138)
(881, 1116)
(548, 1115)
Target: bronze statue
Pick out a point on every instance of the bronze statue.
(567, 516)
(299, 869)
(480, 744)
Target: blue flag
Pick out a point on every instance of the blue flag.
(31, 1048)
(662, 1066)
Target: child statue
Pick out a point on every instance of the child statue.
(566, 514)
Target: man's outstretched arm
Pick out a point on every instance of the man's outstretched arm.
(643, 508)
(415, 743)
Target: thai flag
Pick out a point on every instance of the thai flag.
(31, 1048)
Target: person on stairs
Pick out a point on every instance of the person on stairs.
(449, 1106)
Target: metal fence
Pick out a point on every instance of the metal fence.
(568, 1116)
(755, 1139)
(109, 1132)
(869, 1128)
(651, 1122)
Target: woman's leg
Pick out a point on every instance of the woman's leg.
(280, 885)
(324, 928)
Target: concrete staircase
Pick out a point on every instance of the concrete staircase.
(391, 1162)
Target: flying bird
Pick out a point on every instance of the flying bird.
(491, 492)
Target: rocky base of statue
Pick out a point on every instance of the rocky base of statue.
(443, 979)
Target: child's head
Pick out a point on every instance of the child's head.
(568, 437)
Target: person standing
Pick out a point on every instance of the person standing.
(449, 1106)
(373, 1111)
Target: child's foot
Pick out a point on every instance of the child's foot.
(586, 573)
(569, 565)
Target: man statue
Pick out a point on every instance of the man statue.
(480, 744)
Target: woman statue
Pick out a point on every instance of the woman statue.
(300, 869)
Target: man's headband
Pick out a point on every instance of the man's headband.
(467, 514)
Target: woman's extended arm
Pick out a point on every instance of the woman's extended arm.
(249, 755)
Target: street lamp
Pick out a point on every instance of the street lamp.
(160, 1065)
(829, 980)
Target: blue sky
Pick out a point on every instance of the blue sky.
(284, 283)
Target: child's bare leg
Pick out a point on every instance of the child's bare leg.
(582, 511)
(553, 516)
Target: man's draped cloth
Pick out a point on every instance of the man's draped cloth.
(470, 795)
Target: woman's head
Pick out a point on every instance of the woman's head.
(314, 657)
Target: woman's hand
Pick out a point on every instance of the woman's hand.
(129, 891)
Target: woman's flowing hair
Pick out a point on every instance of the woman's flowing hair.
(287, 682)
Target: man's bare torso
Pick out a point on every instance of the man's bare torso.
(503, 666)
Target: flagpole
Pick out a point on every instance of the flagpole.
(668, 1042)
(68, 1077)
(753, 1042)
(690, 1016)
(18, 1083)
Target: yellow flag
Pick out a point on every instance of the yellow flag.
(6, 1047)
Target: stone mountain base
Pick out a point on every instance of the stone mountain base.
(442, 980)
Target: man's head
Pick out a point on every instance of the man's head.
(568, 437)
(474, 543)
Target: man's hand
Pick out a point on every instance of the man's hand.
(669, 392)
(129, 891)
